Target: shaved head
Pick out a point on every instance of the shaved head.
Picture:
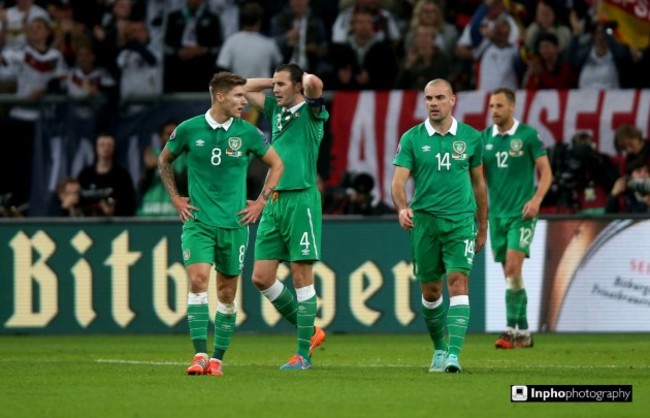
(441, 82)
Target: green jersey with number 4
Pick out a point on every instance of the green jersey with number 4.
(440, 166)
(510, 167)
(296, 137)
(217, 165)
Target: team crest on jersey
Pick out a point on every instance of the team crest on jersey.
(515, 148)
(459, 150)
(234, 142)
(186, 255)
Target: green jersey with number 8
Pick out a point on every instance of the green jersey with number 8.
(217, 165)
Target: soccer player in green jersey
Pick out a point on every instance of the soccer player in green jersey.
(216, 215)
(290, 228)
(513, 154)
(445, 159)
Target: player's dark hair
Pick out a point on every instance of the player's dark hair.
(510, 95)
(295, 72)
(224, 81)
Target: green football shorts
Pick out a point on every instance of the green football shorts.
(222, 247)
(441, 246)
(512, 233)
(290, 228)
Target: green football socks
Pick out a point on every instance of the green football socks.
(516, 308)
(435, 321)
(287, 306)
(224, 326)
(457, 322)
(522, 320)
(512, 311)
(305, 321)
(197, 319)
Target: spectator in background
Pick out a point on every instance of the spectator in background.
(108, 36)
(598, 60)
(154, 197)
(424, 61)
(140, 65)
(13, 27)
(16, 20)
(384, 25)
(193, 37)
(248, 52)
(546, 21)
(38, 68)
(475, 35)
(107, 185)
(634, 146)
(69, 192)
(430, 13)
(68, 34)
(631, 193)
(87, 81)
(363, 62)
(498, 59)
(301, 35)
(548, 69)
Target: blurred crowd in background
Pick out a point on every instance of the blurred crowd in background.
(114, 52)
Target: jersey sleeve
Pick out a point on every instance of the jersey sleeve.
(537, 147)
(259, 145)
(404, 153)
(269, 107)
(177, 140)
(477, 157)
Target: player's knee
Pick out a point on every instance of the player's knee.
(199, 282)
(457, 283)
(263, 281)
(226, 295)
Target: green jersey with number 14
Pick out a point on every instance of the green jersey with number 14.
(440, 166)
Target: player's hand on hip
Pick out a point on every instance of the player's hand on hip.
(182, 205)
(406, 218)
(251, 213)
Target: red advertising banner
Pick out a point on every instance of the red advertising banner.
(366, 125)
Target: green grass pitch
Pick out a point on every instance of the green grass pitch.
(353, 376)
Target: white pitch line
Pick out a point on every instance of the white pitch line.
(404, 366)
(177, 363)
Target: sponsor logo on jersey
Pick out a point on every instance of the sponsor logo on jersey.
(489, 146)
(459, 150)
(515, 148)
(172, 136)
(200, 142)
(426, 148)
